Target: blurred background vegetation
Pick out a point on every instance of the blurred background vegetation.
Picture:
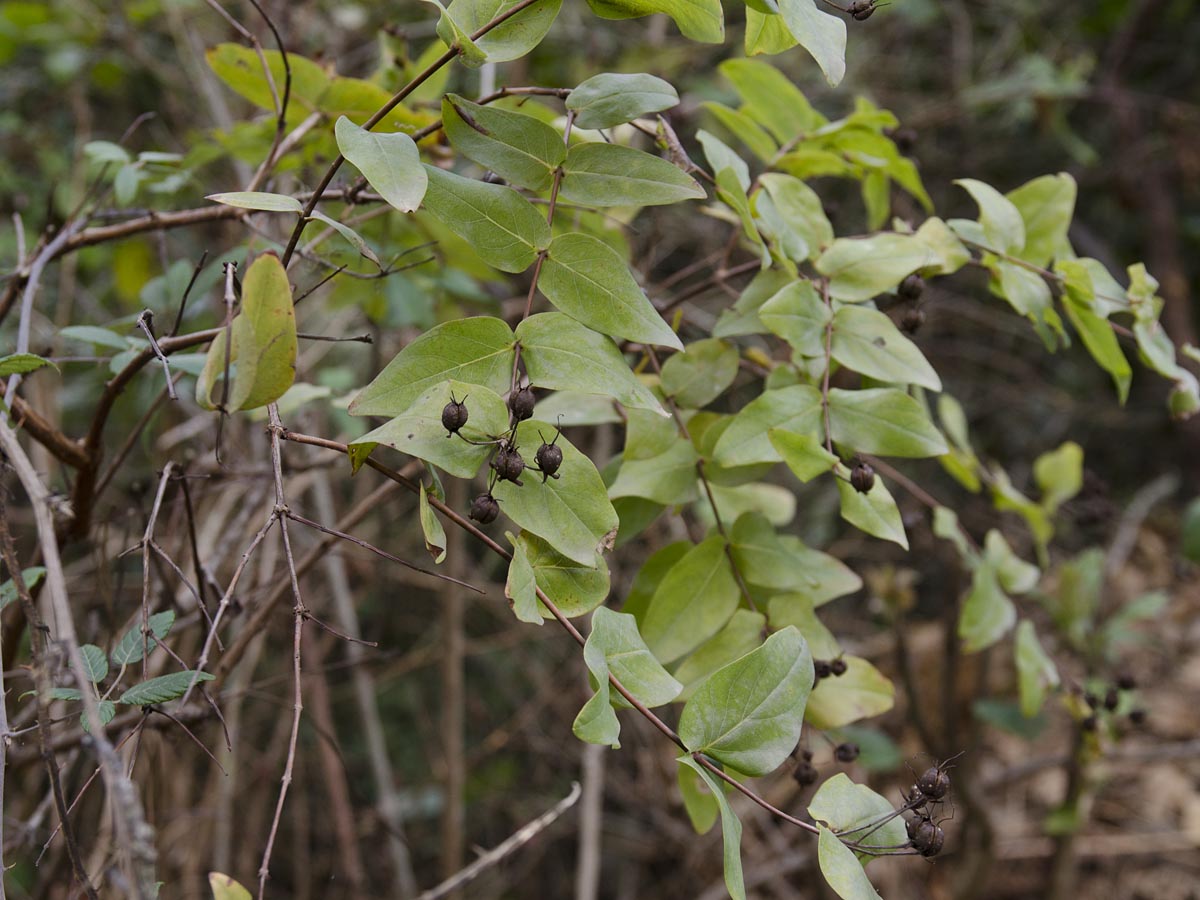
(1108, 91)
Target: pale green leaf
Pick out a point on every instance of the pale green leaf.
(867, 341)
(22, 364)
(804, 454)
(258, 200)
(572, 512)
(600, 174)
(431, 527)
(561, 354)
(860, 268)
(885, 421)
(784, 563)
(796, 409)
(741, 634)
(589, 281)
(225, 888)
(798, 611)
(768, 96)
(8, 590)
(701, 373)
(766, 34)
(1014, 574)
(1059, 474)
(1046, 205)
(987, 614)
(1003, 227)
(95, 663)
(355, 239)
(748, 714)
(799, 316)
(667, 478)
(519, 148)
(504, 228)
(575, 587)
(693, 601)
(520, 587)
(823, 35)
(699, 20)
(701, 806)
(863, 691)
(852, 811)
(874, 512)
(842, 870)
(476, 350)
(801, 210)
(513, 38)
(609, 99)
(1036, 672)
(731, 830)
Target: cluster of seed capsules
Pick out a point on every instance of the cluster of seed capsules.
(924, 799)
(506, 463)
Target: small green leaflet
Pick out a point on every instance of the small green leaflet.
(866, 341)
(225, 888)
(700, 20)
(129, 648)
(1003, 227)
(31, 577)
(804, 454)
(476, 350)
(577, 587)
(821, 34)
(731, 831)
(842, 870)
(599, 174)
(701, 373)
(1036, 672)
(885, 421)
(22, 364)
(95, 664)
(513, 38)
(615, 647)
(1046, 205)
(693, 601)
(860, 268)
(748, 714)
(519, 587)
(589, 281)
(796, 409)
(431, 527)
(610, 99)
(987, 614)
(851, 810)
(502, 226)
(874, 512)
(162, 688)
(860, 693)
(259, 200)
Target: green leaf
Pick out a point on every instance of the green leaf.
(355, 239)
(95, 663)
(458, 38)
(1003, 227)
(1014, 574)
(101, 337)
(615, 647)
(784, 563)
(242, 71)
(600, 174)
(799, 316)
(572, 512)
(576, 588)
(795, 409)
(609, 99)
(418, 431)
(733, 194)
(842, 870)
(741, 634)
(520, 149)
(264, 345)
(1189, 536)
(129, 648)
(651, 575)
(520, 586)
(1036, 671)
(1025, 291)
(721, 157)
(766, 34)
(702, 807)
(162, 688)
(225, 888)
(749, 132)
(589, 281)
(748, 714)
(701, 373)
(866, 341)
(798, 611)
(863, 691)
(259, 200)
(476, 350)
(771, 99)
(987, 614)
(804, 454)
(821, 34)
(668, 478)
(8, 590)
(1046, 205)
(504, 228)
(431, 527)
(851, 810)
(65, 693)
(949, 253)
(800, 209)
(699, 20)
(107, 710)
(731, 830)
(860, 268)
(561, 354)
(693, 601)
(1079, 303)
(1059, 474)
(885, 421)
(515, 37)
(391, 163)
(22, 364)
(874, 512)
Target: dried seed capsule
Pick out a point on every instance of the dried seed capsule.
(1090, 723)
(1112, 697)
(521, 403)
(1137, 717)
(911, 287)
(1126, 682)
(454, 415)
(912, 320)
(934, 783)
(837, 667)
(484, 509)
(862, 477)
(549, 457)
(861, 10)
(925, 837)
(807, 755)
(846, 752)
(508, 464)
(805, 774)
(822, 669)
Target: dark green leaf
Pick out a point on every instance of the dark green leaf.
(731, 830)
(31, 577)
(599, 174)
(609, 99)
(701, 373)
(692, 602)
(129, 648)
(162, 688)
(95, 663)
(884, 421)
(519, 148)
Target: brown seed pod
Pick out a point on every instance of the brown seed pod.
(862, 478)
(822, 669)
(1137, 717)
(1112, 697)
(1126, 682)
(521, 403)
(862, 10)
(934, 783)
(837, 667)
(454, 415)
(911, 288)
(805, 774)
(484, 509)
(926, 837)
(508, 464)
(912, 320)
(846, 752)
